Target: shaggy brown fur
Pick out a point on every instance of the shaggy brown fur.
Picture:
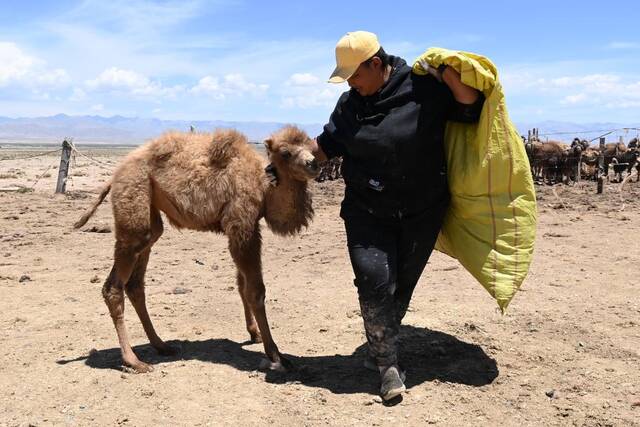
(206, 182)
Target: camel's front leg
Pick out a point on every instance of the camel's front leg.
(255, 293)
(252, 326)
(246, 254)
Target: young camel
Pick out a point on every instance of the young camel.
(206, 182)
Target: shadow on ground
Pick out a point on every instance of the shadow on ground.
(428, 355)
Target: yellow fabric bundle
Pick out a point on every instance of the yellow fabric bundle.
(491, 223)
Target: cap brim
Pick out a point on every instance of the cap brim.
(341, 75)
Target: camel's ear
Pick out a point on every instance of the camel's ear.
(268, 143)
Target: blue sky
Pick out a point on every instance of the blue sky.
(269, 60)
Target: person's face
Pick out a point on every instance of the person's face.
(368, 78)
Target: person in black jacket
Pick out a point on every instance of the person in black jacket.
(389, 129)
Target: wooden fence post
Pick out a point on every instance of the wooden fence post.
(601, 167)
(63, 170)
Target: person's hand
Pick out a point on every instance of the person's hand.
(272, 174)
(434, 71)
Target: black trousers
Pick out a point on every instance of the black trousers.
(388, 256)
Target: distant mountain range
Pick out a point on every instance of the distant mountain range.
(134, 130)
(119, 129)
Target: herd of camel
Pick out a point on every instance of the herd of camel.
(554, 161)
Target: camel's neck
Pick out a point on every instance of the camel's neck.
(288, 206)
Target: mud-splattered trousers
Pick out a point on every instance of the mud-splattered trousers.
(388, 256)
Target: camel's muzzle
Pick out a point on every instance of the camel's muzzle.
(312, 167)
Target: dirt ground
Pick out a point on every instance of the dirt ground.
(566, 353)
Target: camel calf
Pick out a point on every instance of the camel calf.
(206, 182)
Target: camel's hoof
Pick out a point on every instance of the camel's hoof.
(283, 365)
(167, 350)
(139, 367)
(256, 338)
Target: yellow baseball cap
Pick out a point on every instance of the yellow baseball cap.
(352, 50)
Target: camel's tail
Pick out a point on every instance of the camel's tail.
(89, 213)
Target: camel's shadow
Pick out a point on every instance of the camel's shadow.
(428, 355)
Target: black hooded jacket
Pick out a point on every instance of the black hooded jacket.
(392, 143)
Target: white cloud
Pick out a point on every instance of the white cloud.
(553, 85)
(208, 85)
(117, 79)
(623, 45)
(230, 85)
(237, 83)
(17, 67)
(574, 99)
(306, 90)
(40, 96)
(126, 14)
(302, 79)
(53, 78)
(596, 81)
(97, 107)
(14, 64)
(78, 95)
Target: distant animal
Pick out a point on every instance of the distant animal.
(330, 170)
(611, 150)
(624, 162)
(571, 161)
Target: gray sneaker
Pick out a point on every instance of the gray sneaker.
(370, 364)
(392, 385)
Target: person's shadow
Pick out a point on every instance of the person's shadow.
(427, 355)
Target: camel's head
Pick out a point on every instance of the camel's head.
(289, 150)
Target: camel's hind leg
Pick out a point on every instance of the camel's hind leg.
(246, 255)
(132, 212)
(135, 288)
(113, 293)
(252, 326)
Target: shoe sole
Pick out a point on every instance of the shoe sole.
(394, 393)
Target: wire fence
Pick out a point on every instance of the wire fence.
(539, 166)
(582, 132)
(75, 152)
(46, 153)
(103, 165)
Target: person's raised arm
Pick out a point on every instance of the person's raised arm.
(461, 92)
(466, 103)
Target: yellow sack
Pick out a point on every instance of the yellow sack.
(491, 223)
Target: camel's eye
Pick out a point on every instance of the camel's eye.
(285, 154)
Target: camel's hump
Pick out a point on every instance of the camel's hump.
(220, 146)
